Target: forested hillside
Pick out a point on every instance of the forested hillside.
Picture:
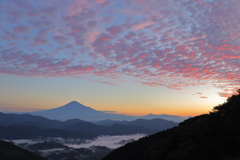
(213, 136)
(9, 151)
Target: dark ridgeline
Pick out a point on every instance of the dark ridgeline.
(9, 151)
(14, 126)
(83, 130)
(156, 124)
(213, 136)
(31, 132)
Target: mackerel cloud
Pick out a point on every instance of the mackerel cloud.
(171, 43)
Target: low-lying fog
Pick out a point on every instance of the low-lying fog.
(107, 141)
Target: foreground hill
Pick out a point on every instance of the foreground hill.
(205, 137)
(9, 151)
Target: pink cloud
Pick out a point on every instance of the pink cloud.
(106, 4)
(77, 6)
(130, 35)
(115, 30)
(165, 43)
(40, 41)
(22, 29)
(50, 11)
(203, 97)
(41, 23)
(12, 44)
(78, 69)
(142, 25)
(102, 39)
(93, 35)
(15, 16)
(33, 13)
(25, 4)
(101, 1)
(78, 28)
(92, 23)
(228, 92)
(44, 32)
(60, 39)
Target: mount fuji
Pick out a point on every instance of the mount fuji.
(75, 110)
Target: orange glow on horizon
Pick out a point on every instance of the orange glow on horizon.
(175, 113)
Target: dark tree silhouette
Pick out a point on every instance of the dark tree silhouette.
(206, 137)
(238, 90)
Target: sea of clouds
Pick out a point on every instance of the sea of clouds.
(107, 141)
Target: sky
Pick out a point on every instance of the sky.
(134, 57)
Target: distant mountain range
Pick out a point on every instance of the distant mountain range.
(156, 124)
(75, 110)
(15, 126)
(166, 117)
(30, 126)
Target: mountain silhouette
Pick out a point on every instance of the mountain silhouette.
(156, 124)
(213, 136)
(74, 110)
(16, 126)
(7, 119)
(116, 129)
(166, 117)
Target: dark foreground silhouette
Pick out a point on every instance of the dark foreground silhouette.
(8, 151)
(213, 136)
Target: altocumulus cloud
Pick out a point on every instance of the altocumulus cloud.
(169, 43)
